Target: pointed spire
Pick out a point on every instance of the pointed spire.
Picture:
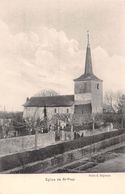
(88, 61)
(88, 74)
(87, 37)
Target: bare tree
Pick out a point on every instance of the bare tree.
(113, 101)
(48, 92)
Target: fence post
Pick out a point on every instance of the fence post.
(36, 138)
(93, 128)
(93, 123)
(22, 142)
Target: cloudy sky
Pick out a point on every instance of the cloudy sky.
(43, 42)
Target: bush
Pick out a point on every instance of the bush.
(112, 117)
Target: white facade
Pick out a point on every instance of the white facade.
(82, 98)
(38, 112)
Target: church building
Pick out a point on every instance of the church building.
(86, 100)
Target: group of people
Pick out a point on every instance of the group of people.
(77, 135)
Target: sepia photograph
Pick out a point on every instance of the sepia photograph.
(62, 86)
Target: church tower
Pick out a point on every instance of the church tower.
(88, 89)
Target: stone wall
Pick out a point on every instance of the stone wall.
(51, 163)
(18, 144)
(123, 110)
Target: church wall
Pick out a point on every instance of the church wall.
(97, 96)
(38, 112)
(82, 87)
(33, 112)
(89, 92)
(83, 109)
(82, 92)
(59, 110)
(82, 98)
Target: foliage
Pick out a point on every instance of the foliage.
(48, 92)
(115, 118)
(11, 115)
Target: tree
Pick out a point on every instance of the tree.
(48, 92)
(113, 102)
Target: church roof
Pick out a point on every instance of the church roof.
(86, 77)
(50, 101)
(88, 61)
(88, 74)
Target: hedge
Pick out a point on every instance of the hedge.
(20, 159)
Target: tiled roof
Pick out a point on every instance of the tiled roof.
(86, 77)
(50, 101)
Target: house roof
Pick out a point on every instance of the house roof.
(50, 101)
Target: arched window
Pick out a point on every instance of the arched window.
(55, 110)
(97, 86)
(67, 110)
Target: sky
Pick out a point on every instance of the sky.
(43, 42)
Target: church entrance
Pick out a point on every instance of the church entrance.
(83, 109)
